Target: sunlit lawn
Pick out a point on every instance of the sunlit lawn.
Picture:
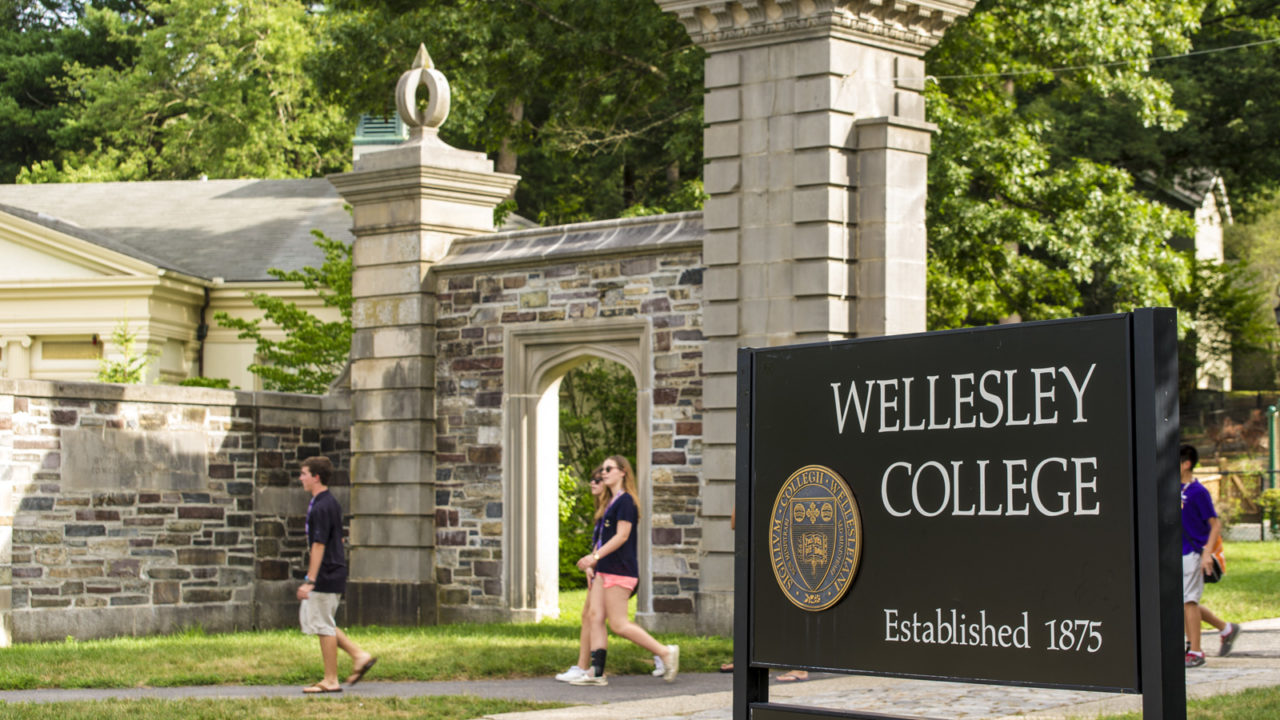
(1252, 704)
(328, 708)
(1250, 590)
(445, 652)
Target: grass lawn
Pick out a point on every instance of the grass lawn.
(428, 708)
(1252, 704)
(1251, 586)
(442, 652)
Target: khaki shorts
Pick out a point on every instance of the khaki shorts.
(1192, 578)
(316, 613)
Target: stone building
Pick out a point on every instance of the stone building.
(816, 150)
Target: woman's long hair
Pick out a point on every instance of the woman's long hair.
(606, 494)
(629, 480)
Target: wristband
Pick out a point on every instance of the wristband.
(595, 556)
(307, 580)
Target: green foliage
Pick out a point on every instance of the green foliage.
(207, 382)
(313, 352)
(1226, 312)
(131, 367)
(598, 105)
(597, 415)
(1019, 226)
(212, 87)
(576, 526)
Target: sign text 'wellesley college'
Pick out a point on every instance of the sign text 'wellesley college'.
(1007, 486)
(996, 501)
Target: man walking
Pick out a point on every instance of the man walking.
(326, 578)
(1200, 530)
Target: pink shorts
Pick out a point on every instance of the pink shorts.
(610, 580)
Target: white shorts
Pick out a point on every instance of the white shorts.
(316, 613)
(1192, 578)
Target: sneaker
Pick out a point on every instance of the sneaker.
(571, 674)
(673, 664)
(1194, 659)
(658, 669)
(588, 677)
(1228, 638)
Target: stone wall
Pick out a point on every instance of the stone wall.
(132, 510)
(475, 312)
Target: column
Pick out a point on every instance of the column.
(409, 204)
(815, 151)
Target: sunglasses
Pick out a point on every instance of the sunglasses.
(609, 468)
(595, 479)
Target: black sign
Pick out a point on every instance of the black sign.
(994, 477)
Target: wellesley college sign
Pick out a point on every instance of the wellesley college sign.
(993, 505)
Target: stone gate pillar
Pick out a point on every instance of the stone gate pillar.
(409, 204)
(815, 150)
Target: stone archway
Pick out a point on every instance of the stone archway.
(536, 359)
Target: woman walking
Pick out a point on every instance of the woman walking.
(602, 495)
(616, 575)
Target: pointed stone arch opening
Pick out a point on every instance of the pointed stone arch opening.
(535, 361)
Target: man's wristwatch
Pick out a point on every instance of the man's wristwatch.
(307, 580)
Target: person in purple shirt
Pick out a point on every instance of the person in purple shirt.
(1200, 531)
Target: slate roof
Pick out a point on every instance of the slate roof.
(651, 233)
(233, 229)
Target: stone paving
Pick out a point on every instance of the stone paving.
(1255, 662)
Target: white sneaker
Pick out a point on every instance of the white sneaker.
(673, 663)
(658, 669)
(588, 677)
(571, 674)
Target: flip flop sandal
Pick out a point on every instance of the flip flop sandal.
(790, 677)
(319, 689)
(358, 674)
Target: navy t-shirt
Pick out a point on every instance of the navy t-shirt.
(623, 560)
(324, 525)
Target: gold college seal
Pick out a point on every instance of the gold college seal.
(815, 537)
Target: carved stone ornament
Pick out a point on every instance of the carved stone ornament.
(423, 72)
(910, 23)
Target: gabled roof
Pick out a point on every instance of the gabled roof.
(233, 229)
(75, 231)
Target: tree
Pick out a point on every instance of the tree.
(38, 39)
(1018, 226)
(213, 87)
(598, 105)
(313, 352)
(131, 367)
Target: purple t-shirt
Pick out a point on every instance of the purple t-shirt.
(1197, 508)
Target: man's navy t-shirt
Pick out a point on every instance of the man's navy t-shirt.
(623, 560)
(324, 525)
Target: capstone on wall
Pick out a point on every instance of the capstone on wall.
(475, 309)
(133, 510)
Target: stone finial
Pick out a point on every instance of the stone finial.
(423, 72)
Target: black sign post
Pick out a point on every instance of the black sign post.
(994, 505)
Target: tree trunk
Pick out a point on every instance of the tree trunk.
(507, 156)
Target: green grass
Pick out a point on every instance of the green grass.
(420, 708)
(282, 657)
(1252, 704)
(1249, 589)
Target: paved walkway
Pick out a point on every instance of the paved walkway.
(1255, 662)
